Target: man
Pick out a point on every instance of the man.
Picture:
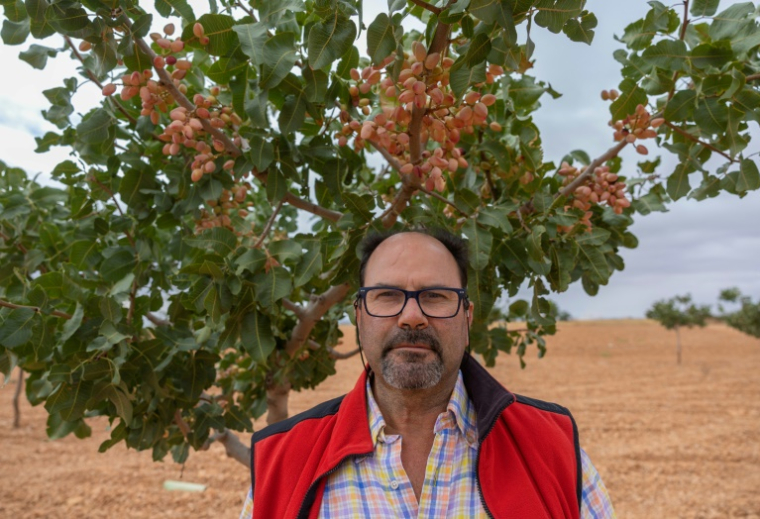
(426, 432)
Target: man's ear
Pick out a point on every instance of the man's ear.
(469, 312)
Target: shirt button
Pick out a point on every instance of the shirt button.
(394, 484)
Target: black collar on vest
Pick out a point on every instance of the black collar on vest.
(488, 396)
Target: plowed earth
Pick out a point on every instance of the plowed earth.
(670, 441)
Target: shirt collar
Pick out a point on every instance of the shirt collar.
(459, 414)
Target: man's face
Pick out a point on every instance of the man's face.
(410, 350)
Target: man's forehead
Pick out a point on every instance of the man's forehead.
(412, 250)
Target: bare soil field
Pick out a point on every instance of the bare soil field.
(670, 441)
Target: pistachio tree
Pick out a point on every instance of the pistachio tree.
(679, 312)
(191, 264)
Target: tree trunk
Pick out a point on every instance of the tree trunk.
(678, 346)
(277, 402)
(16, 396)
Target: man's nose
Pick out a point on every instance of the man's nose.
(412, 316)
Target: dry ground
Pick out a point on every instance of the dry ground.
(670, 441)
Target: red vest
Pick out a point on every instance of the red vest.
(528, 464)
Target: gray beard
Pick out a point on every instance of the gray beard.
(409, 369)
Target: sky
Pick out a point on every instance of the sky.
(697, 247)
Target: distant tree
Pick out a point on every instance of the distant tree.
(747, 318)
(677, 312)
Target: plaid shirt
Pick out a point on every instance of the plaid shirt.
(377, 486)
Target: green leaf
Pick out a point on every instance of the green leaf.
(181, 7)
(37, 55)
(40, 25)
(711, 55)
(704, 7)
(293, 113)
(14, 33)
(262, 152)
(72, 325)
(251, 260)
(218, 29)
(134, 181)
(122, 403)
(749, 177)
(490, 11)
(271, 11)
(593, 262)
(480, 243)
(257, 336)
(478, 50)
(359, 205)
(681, 106)
(316, 85)
(533, 243)
(329, 40)
(667, 54)
(272, 286)
(82, 252)
(496, 216)
(70, 400)
(553, 14)
(582, 29)
(212, 302)
(220, 240)
(279, 58)
(636, 37)
(309, 265)
(462, 75)
(253, 37)
(630, 96)
(381, 38)
(14, 10)
(118, 265)
(711, 116)
(678, 181)
(95, 126)
(651, 202)
(16, 329)
(286, 251)
(277, 185)
(225, 69)
(728, 23)
(141, 26)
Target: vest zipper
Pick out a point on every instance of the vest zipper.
(477, 461)
(324, 475)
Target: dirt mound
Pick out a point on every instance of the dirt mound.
(669, 441)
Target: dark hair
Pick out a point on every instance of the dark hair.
(453, 243)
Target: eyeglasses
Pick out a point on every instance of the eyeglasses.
(438, 302)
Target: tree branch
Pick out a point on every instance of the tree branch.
(37, 309)
(234, 448)
(312, 314)
(157, 320)
(296, 309)
(442, 198)
(300, 203)
(342, 356)
(698, 141)
(410, 183)
(268, 225)
(92, 77)
(580, 179)
(168, 83)
(20, 247)
(433, 9)
(181, 423)
(752, 77)
(118, 207)
(682, 35)
(16, 397)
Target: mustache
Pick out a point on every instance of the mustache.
(413, 337)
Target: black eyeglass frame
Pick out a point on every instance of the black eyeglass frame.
(411, 294)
